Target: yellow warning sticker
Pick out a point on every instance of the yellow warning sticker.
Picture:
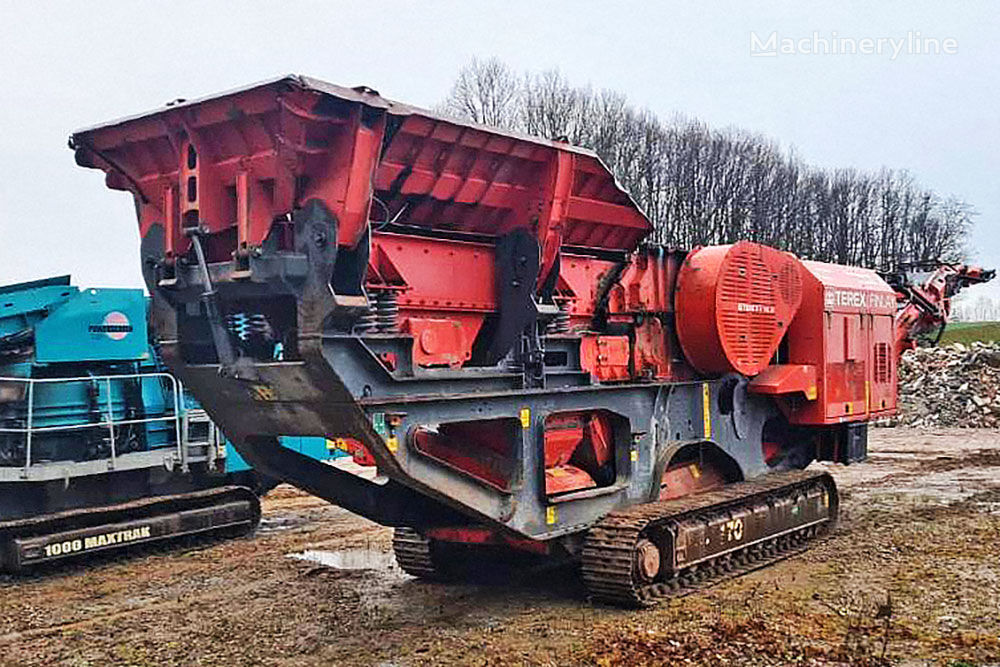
(392, 442)
(338, 444)
(706, 409)
(635, 455)
(811, 393)
(550, 515)
(525, 417)
(261, 392)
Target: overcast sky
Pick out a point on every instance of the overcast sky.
(68, 65)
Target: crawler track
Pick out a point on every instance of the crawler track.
(610, 566)
(25, 543)
(413, 553)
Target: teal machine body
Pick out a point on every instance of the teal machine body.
(90, 418)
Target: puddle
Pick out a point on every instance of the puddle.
(349, 559)
(271, 524)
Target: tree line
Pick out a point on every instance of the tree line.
(701, 185)
(982, 309)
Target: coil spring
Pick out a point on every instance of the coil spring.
(382, 315)
(236, 323)
(368, 323)
(387, 311)
(247, 325)
(559, 323)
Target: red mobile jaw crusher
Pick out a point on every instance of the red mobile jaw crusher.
(475, 312)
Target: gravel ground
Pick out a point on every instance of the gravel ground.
(911, 577)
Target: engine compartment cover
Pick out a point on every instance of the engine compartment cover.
(734, 304)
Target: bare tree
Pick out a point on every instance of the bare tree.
(487, 92)
(701, 185)
(553, 109)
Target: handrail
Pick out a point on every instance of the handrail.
(29, 430)
(74, 427)
(27, 437)
(111, 423)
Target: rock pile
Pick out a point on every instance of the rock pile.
(952, 385)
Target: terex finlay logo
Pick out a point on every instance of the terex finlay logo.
(115, 326)
(857, 299)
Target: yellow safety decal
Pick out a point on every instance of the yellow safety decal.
(392, 442)
(847, 408)
(261, 392)
(525, 417)
(635, 455)
(550, 515)
(706, 409)
(868, 396)
(338, 443)
(811, 393)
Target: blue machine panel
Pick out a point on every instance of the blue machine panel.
(95, 325)
(316, 448)
(24, 304)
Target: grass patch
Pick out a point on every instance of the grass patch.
(968, 332)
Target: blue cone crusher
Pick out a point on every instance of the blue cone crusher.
(100, 447)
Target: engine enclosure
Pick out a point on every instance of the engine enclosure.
(844, 330)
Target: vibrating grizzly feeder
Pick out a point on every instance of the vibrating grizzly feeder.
(475, 313)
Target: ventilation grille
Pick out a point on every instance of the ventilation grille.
(883, 363)
(747, 313)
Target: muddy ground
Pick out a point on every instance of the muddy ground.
(911, 577)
